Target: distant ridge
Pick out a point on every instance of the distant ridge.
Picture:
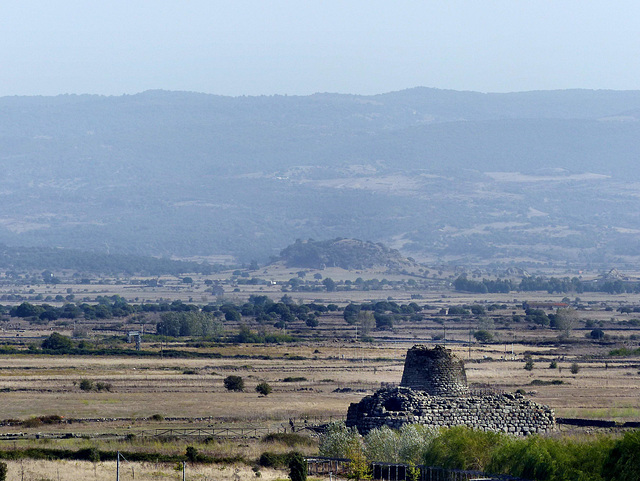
(450, 176)
(51, 258)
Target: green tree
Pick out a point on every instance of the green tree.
(528, 362)
(366, 322)
(57, 342)
(565, 320)
(263, 389)
(623, 462)
(483, 336)
(359, 465)
(297, 467)
(27, 309)
(383, 445)
(336, 440)
(234, 383)
(329, 284)
(192, 454)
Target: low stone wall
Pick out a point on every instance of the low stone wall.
(394, 407)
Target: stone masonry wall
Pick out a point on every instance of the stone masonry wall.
(435, 371)
(510, 413)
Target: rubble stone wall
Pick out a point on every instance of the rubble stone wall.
(394, 407)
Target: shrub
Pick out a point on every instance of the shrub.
(294, 379)
(263, 389)
(32, 423)
(553, 365)
(89, 454)
(297, 467)
(483, 336)
(337, 439)
(104, 386)
(57, 342)
(234, 383)
(459, 447)
(289, 439)
(547, 459)
(574, 368)
(192, 454)
(273, 460)
(623, 461)
(3, 471)
(86, 384)
(51, 419)
(157, 417)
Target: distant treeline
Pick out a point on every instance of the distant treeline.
(42, 258)
(177, 318)
(551, 285)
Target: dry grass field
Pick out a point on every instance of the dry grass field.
(40, 470)
(335, 374)
(330, 367)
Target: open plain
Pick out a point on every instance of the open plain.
(165, 402)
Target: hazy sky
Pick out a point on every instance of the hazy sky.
(301, 47)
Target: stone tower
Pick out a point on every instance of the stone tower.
(435, 371)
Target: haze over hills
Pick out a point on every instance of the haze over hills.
(446, 176)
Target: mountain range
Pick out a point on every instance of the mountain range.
(530, 178)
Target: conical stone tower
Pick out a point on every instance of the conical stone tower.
(435, 371)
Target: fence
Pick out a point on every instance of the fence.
(404, 472)
(207, 432)
(318, 466)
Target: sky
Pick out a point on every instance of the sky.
(298, 47)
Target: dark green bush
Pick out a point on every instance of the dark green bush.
(274, 460)
(57, 342)
(462, 448)
(623, 461)
(263, 388)
(192, 454)
(103, 386)
(234, 383)
(289, 439)
(86, 384)
(3, 471)
(297, 467)
(547, 459)
(89, 454)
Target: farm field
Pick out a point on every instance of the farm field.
(158, 402)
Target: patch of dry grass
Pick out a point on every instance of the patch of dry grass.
(103, 471)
